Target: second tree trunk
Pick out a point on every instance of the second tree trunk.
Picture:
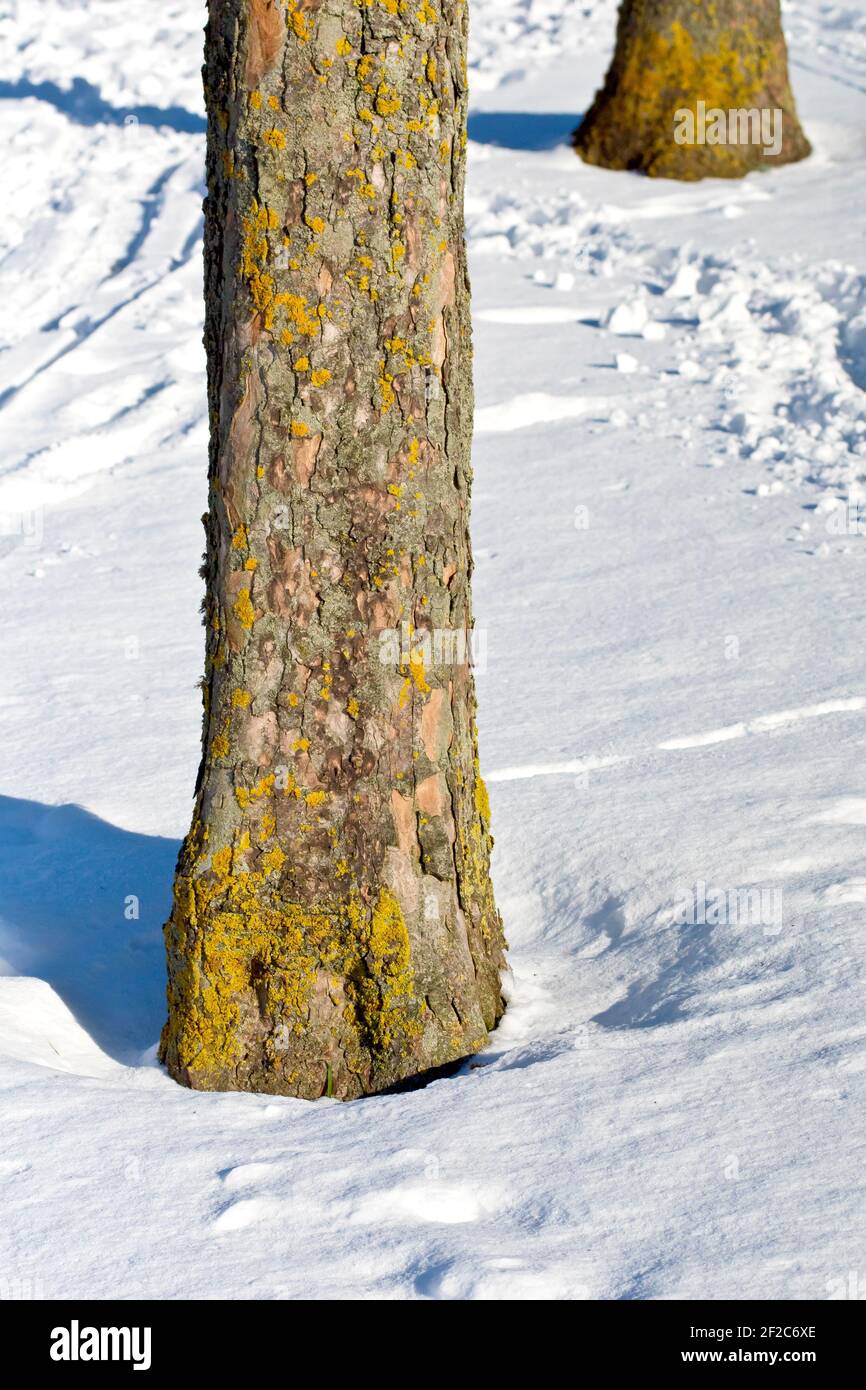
(700, 56)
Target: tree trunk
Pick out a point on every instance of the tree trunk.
(672, 55)
(334, 929)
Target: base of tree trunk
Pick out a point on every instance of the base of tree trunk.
(346, 1000)
(712, 61)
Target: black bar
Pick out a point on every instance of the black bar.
(237, 1337)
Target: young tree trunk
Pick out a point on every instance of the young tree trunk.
(334, 929)
(672, 55)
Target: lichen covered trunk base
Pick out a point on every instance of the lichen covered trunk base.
(334, 930)
(683, 55)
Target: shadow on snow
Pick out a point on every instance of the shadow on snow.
(84, 104)
(67, 879)
(522, 130)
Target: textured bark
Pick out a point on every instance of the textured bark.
(334, 929)
(672, 54)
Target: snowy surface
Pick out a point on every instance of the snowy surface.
(671, 433)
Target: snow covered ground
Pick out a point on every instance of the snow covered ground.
(670, 437)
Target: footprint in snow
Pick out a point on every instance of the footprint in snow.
(441, 1203)
(236, 1216)
(246, 1175)
(11, 1167)
(501, 1278)
(852, 891)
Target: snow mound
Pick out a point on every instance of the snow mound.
(37, 1027)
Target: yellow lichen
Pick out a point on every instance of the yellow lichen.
(661, 67)
(482, 799)
(387, 99)
(221, 861)
(243, 609)
(299, 23)
(245, 796)
(274, 860)
(255, 953)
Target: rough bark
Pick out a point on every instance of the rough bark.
(672, 54)
(334, 929)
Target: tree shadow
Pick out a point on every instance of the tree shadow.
(665, 998)
(70, 885)
(523, 130)
(85, 105)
